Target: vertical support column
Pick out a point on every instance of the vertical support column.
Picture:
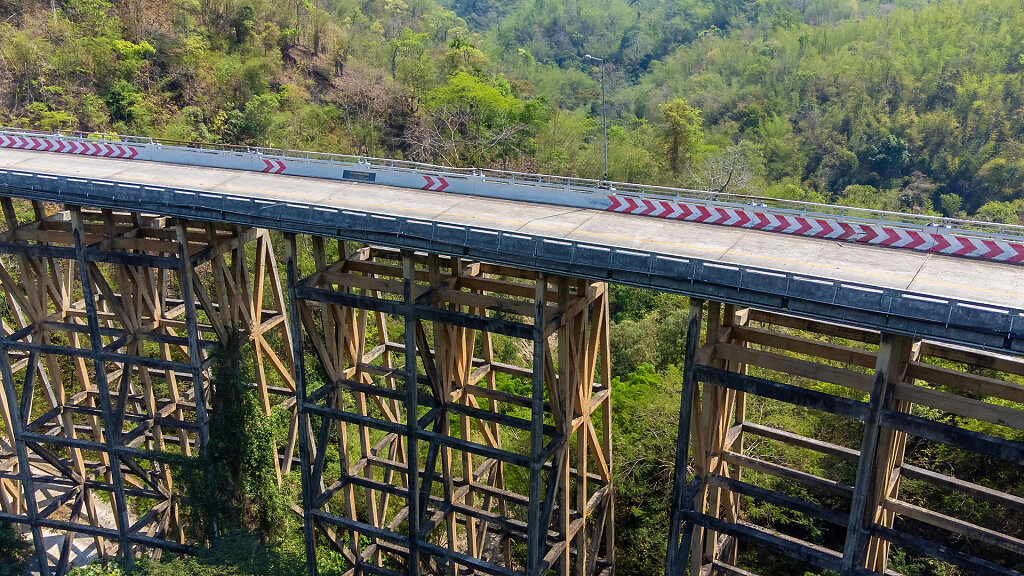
(195, 354)
(112, 432)
(444, 372)
(537, 533)
(716, 428)
(10, 499)
(466, 344)
(562, 388)
(706, 440)
(411, 411)
(679, 546)
(17, 428)
(889, 455)
(606, 427)
(28, 309)
(740, 318)
(892, 351)
(300, 404)
(584, 392)
(731, 439)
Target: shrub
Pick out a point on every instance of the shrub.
(98, 568)
(14, 550)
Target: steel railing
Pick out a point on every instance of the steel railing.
(571, 184)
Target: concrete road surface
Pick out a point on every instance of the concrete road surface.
(940, 276)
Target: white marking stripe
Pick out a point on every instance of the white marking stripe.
(734, 217)
(815, 229)
(677, 210)
(663, 208)
(883, 235)
(904, 238)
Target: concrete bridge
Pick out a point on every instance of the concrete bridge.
(125, 261)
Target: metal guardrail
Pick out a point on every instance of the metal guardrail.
(575, 185)
(898, 311)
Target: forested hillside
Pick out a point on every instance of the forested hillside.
(910, 105)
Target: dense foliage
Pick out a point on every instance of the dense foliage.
(911, 105)
(907, 105)
(14, 550)
(232, 488)
(234, 555)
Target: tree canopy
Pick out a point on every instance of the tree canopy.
(918, 100)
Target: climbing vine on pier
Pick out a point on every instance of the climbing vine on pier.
(233, 487)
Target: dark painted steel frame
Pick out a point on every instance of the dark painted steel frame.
(876, 414)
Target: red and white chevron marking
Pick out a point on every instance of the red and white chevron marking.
(874, 234)
(273, 166)
(86, 148)
(436, 183)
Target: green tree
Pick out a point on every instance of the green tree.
(98, 568)
(1002, 212)
(252, 126)
(463, 55)
(475, 122)
(951, 204)
(244, 22)
(682, 134)
(632, 153)
(410, 45)
(791, 191)
(861, 196)
(125, 101)
(1002, 178)
(890, 155)
(23, 59)
(646, 412)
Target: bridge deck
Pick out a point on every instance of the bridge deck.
(943, 277)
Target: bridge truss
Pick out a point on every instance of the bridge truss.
(438, 461)
(905, 396)
(110, 321)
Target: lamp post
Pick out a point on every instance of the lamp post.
(604, 114)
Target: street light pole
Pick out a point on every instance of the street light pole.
(604, 114)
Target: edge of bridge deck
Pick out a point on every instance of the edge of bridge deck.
(886, 309)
